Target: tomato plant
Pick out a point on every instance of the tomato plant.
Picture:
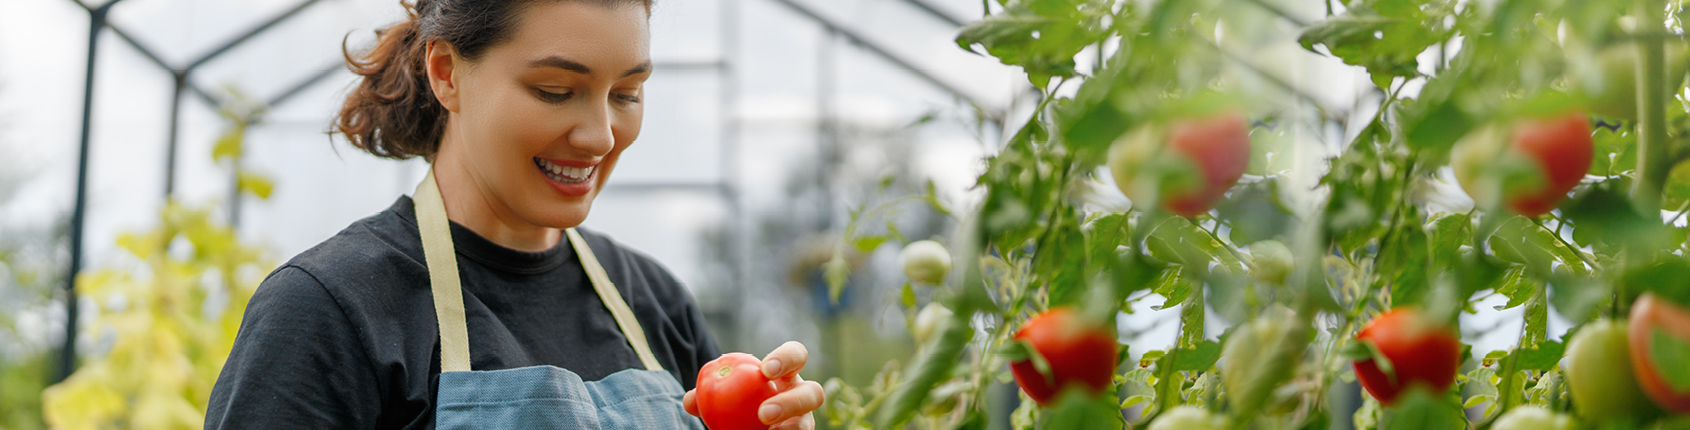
(730, 389)
(1419, 352)
(1660, 343)
(1297, 246)
(1076, 354)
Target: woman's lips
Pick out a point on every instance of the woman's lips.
(568, 181)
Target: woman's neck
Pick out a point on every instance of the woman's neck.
(472, 204)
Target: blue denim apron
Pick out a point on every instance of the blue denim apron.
(538, 397)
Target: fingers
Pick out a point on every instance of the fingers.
(806, 422)
(690, 402)
(788, 359)
(798, 401)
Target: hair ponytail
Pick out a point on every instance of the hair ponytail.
(393, 112)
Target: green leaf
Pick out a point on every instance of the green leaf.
(1671, 356)
(836, 272)
(868, 243)
(1198, 359)
(1542, 358)
(908, 296)
(1076, 409)
(1604, 215)
(255, 184)
(1423, 411)
(1384, 36)
(1615, 152)
(1255, 213)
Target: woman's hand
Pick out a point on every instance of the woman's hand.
(789, 410)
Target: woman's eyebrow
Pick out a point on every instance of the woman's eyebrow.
(573, 66)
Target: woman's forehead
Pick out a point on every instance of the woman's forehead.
(585, 37)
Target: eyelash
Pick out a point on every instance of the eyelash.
(556, 98)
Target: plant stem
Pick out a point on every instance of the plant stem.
(1576, 251)
(1652, 151)
(1276, 10)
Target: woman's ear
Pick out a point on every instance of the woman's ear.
(441, 62)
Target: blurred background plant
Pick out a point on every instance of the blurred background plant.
(163, 329)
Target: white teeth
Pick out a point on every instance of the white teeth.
(564, 174)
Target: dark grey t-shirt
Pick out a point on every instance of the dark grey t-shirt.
(344, 335)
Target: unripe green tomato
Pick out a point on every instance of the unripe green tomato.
(1188, 417)
(1610, 87)
(1270, 261)
(1599, 373)
(925, 261)
(929, 321)
(1532, 417)
(1249, 370)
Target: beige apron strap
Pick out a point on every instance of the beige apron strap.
(613, 300)
(442, 261)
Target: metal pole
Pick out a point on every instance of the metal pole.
(67, 351)
(175, 123)
(741, 227)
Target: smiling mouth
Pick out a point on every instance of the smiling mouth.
(567, 175)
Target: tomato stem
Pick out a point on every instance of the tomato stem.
(1652, 163)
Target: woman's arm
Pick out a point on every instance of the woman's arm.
(297, 362)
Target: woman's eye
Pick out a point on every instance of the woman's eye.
(628, 98)
(551, 97)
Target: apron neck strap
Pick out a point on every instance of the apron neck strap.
(442, 261)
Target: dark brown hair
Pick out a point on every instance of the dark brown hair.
(393, 113)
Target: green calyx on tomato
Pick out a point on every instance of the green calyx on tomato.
(1660, 351)
(1186, 166)
(1527, 165)
(1608, 85)
(1532, 417)
(925, 261)
(1420, 352)
(1599, 372)
(1080, 355)
(1188, 417)
(730, 389)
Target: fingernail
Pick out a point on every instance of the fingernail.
(771, 368)
(768, 413)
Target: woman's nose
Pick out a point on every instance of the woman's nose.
(593, 133)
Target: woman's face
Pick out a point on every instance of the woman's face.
(539, 120)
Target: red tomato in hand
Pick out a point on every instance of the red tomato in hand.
(730, 389)
(1214, 150)
(1559, 149)
(1080, 355)
(1421, 352)
(1650, 317)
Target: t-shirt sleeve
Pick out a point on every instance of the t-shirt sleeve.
(297, 362)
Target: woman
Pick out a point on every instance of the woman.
(476, 304)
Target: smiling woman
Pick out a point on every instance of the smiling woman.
(522, 108)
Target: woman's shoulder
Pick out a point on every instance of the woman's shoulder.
(377, 248)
